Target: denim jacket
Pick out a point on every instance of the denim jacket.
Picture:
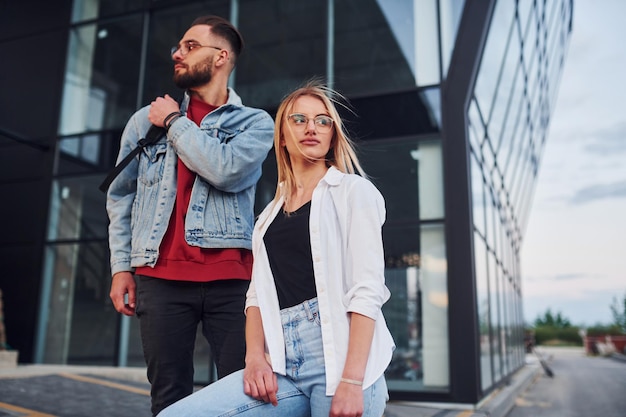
(226, 152)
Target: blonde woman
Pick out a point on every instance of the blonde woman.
(316, 340)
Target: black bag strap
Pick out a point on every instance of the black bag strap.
(152, 136)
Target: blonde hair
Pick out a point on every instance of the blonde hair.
(341, 155)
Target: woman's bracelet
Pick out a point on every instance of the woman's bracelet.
(351, 381)
(169, 119)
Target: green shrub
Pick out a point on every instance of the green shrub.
(600, 330)
(554, 335)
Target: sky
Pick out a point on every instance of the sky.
(573, 257)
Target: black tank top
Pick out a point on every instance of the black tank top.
(288, 245)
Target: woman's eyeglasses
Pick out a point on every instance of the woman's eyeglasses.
(323, 124)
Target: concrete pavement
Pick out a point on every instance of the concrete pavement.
(80, 391)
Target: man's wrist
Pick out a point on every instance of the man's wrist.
(170, 118)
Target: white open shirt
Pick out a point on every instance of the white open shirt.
(347, 214)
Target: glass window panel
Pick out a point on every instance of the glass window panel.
(427, 43)
(496, 229)
(283, 48)
(503, 98)
(524, 10)
(418, 310)
(511, 121)
(100, 89)
(518, 331)
(526, 199)
(493, 54)
(93, 9)
(70, 146)
(450, 12)
(394, 170)
(482, 299)
(434, 307)
(496, 180)
(557, 48)
(80, 321)
(403, 313)
(506, 253)
(489, 213)
(494, 304)
(85, 148)
(478, 198)
(504, 326)
(532, 74)
(432, 96)
(505, 334)
(415, 264)
(430, 178)
(519, 144)
(553, 24)
(77, 209)
(530, 39)
(87, 153)
(521, 174)
(374, 49)
(266, 187)
(410, 113)
(476, 125)
(471, 133)
(489, 159)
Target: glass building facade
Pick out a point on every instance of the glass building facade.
(451, 103)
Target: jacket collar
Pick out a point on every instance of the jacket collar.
(233, 100)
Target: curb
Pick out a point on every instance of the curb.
(503, 400)
(498, 404)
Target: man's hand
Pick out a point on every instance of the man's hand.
(160, 108)
(123, 283)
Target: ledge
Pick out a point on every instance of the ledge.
(8, 358)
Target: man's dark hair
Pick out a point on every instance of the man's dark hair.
(224, 29)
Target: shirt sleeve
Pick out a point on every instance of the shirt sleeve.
(364, 254)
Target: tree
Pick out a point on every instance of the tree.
(619, 313)
(549, 320)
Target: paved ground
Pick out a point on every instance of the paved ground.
(582, 386)
(79, 391)
(46, 391)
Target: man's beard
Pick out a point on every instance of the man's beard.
(196, 76)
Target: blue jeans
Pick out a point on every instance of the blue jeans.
(169, 313)
(301, 393)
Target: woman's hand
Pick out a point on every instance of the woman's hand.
(347, 401)
(259, 381)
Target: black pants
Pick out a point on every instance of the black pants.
(169, 313)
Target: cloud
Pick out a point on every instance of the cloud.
(569, 277)
(608, 141)
(577, 287)
(599, 192)
(556, 277)
(595, 309)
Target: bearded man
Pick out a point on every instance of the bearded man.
(181, 214)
